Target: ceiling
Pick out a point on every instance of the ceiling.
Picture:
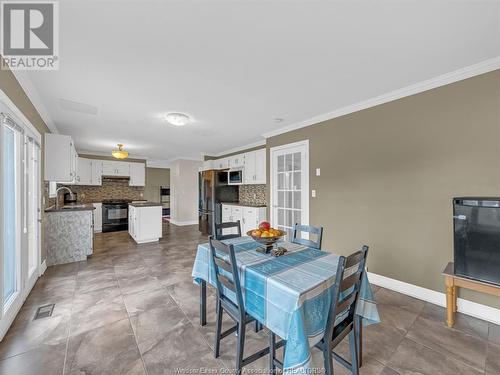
(236, 66)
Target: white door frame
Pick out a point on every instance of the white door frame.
(25, 285)
(303, 146)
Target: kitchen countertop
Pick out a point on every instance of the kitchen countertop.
(244, 204)
(77, 207)
(145, 204)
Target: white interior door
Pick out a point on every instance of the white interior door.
(290, 185)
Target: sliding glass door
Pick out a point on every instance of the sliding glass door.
(20, 198)
(11, 213)
(33, 207)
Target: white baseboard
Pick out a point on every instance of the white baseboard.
(43, 267)
(183, 223)
(464, 306)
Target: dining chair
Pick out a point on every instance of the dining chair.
(218, 228)
(317, 231)
(230, 300)
(341, 319)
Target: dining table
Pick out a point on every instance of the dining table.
(289, 294)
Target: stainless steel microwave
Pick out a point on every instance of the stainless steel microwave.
(235, 176)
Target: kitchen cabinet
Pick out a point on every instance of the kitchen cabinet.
(61, 158)
(69, 236)
(249, 217)
(253, 164)
(222, 163)
(115, 168)
(96, 172)
(84, 172)
(88, 172)
(236, 161)
(137, 174)
(144, 222)
(255, 167)
(207, 165)
(98, 217)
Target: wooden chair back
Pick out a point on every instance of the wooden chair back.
(227, 276)
(316, 231)
(346, 294)
(228, 225)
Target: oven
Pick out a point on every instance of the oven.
(114, 216)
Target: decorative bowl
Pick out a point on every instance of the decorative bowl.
(268, 242)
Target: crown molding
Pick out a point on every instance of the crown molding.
(33, 95)
(185, 158)
(236, 149)
(441, 80)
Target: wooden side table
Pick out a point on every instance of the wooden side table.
(453, 282)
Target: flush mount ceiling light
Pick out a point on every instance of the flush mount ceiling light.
(177, 119)
(119, 154)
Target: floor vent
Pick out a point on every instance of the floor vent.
(44, 311)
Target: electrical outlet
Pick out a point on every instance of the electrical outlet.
(313, 193)
(318, 171)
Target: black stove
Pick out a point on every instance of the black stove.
(115, 214)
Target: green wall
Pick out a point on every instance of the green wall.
(155, 177)
(389, 173)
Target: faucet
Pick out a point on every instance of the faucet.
(57, 195)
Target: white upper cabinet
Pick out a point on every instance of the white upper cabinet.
(60, 158)
(249, 171)
(222, 163)
(253, 164)
(137, 174)
(115, 168)
(236, 161)
(84, 172)
(260, 166)
(255, 167)
(96, 172)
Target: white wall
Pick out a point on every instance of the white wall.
(184, 192)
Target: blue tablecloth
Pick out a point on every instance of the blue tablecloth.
(290, 294)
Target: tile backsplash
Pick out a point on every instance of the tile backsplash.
(253, 194)
(112, 188)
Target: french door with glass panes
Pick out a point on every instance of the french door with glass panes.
(290, 185)
(20, 187)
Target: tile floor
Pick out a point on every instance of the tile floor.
(134, 310)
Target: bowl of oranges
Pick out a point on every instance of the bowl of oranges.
(266, 235)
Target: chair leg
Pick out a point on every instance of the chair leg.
(256, 326)
(354, 353)
(241, 346)
(328, 359)
(218, 328)
(359, 339)
(272, 352)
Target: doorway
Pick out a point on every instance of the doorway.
(290, 185)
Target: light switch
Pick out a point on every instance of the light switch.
(313, 193)
(318, 171)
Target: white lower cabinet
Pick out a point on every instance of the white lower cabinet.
(249, 217)
(97, 217)
(145, 223)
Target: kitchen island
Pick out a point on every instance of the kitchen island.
(69, 233)
(144, 221)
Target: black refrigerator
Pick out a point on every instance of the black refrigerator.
(477, 238)
(213, 189)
